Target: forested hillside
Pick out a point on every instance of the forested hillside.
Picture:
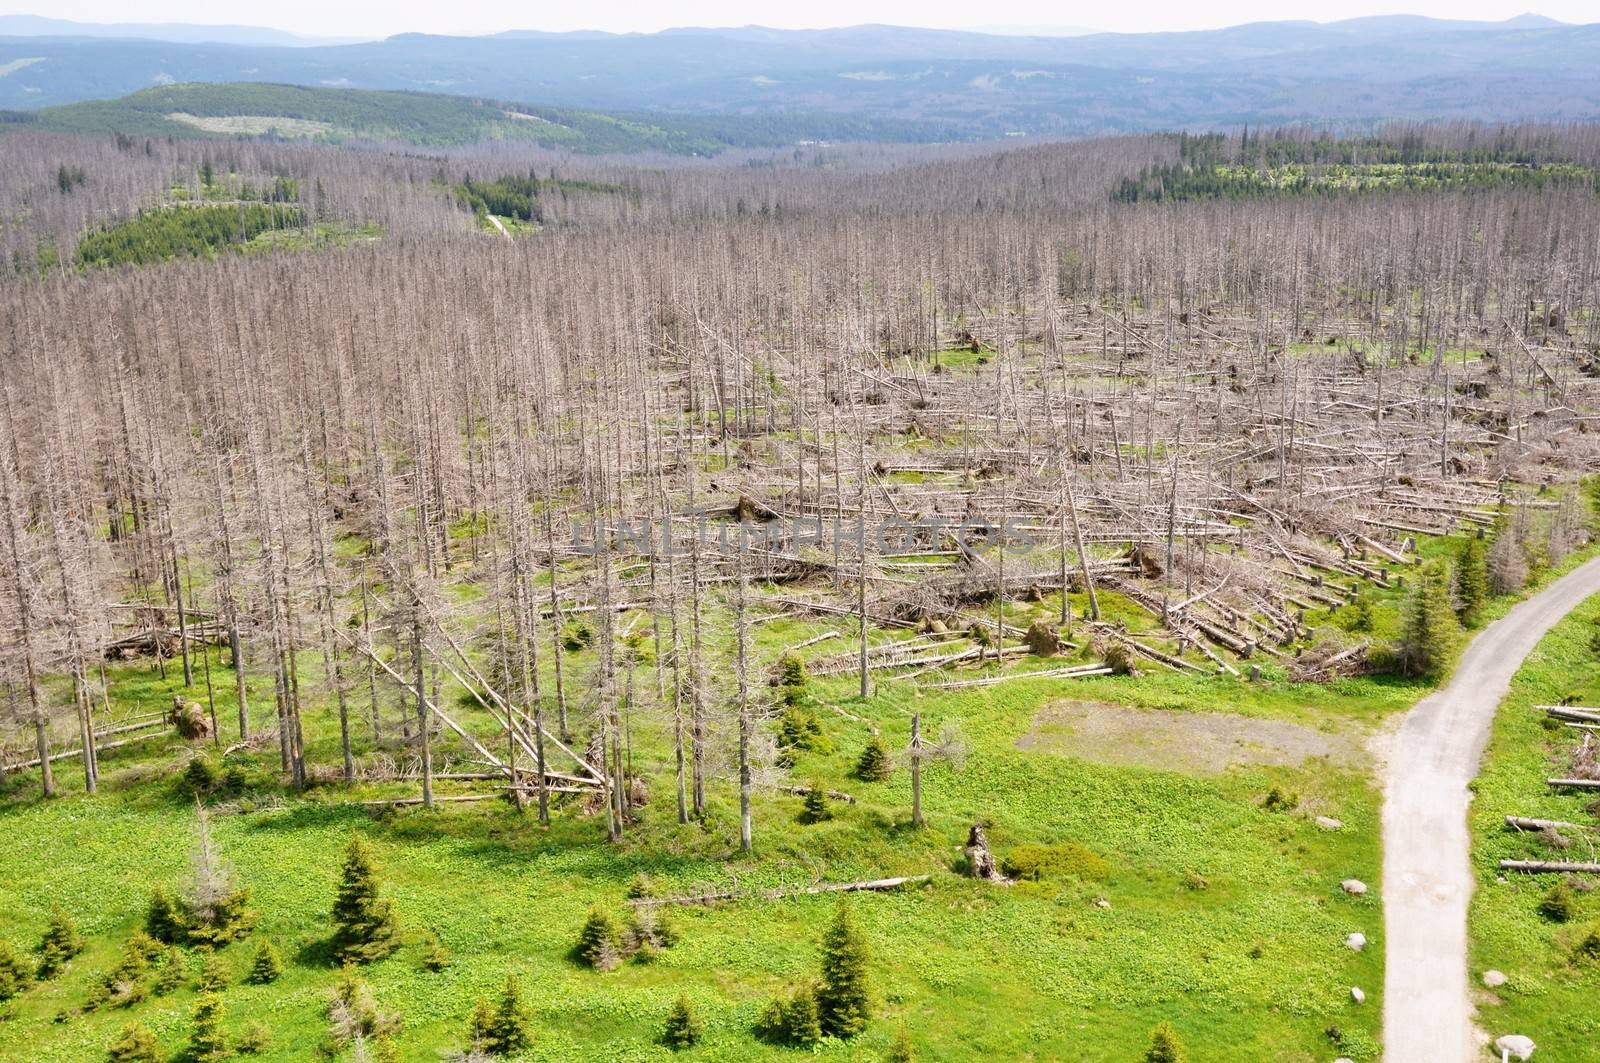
(288, 112)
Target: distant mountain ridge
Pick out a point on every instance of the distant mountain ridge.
(963, 83)
(177, 32)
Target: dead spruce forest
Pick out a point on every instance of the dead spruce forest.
(893, 603)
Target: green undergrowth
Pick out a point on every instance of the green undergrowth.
(1552, 985)
(1222, 917)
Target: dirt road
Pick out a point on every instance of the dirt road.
(1427, 880)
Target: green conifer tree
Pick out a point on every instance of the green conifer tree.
(510, 1026)
(1472, 582)
(600, 940)
(61, 942)
(364, 928)
(816, 806)
(435, 957)
(213, 975)
(207, 1041)
(874, 765)
(844, 999)
(164, 920)
(15, 974)
(1429, 630)
(1165, 1046)
(135, 1044)
(268, 964)
(684, 1028)
(901, 1050)
(802, 1021)
(174, 971)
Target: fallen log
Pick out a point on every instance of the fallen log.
(1541, 866)
(870, 885)
(1051, 673)
(1575, 784)
(1524, 823)
(1567, 712)
(832, 795)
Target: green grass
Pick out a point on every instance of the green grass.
(1550, 995)
(1224, 918)
(1249, 967)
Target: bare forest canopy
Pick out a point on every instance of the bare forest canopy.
(1224, 411)
(882, 82)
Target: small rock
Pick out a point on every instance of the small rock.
(1515, 1045)
(1344, 1059)
(1356, 942)
(1101, 902)
(1328, 823)
(1354, 887)
(1494, 979)
(1357, 995)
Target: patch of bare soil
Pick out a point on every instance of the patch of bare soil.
(1180, 741)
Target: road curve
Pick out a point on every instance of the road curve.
(1427, 878)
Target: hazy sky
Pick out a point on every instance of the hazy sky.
(382, 17)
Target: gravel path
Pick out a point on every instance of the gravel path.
(1427, 880)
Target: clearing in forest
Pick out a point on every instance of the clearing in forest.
(1180, 741)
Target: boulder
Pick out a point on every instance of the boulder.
(1514, 1045)
(1494, 979)
(1354, 887)
(1356, 942)
(1357, 995)
(1328, 823)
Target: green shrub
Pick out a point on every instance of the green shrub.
(641, 887)
(135, 1044)
(901, 1050)
(201, 778)
(684, 1028)
(364, 928)
(1558, 905)
(1066, 860)
(1119, 659)
(874, 765)
(1278, 800)
(1588, 949)
(577, 636)
(255, 1038)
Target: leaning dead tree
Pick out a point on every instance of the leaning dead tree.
(492, 507)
